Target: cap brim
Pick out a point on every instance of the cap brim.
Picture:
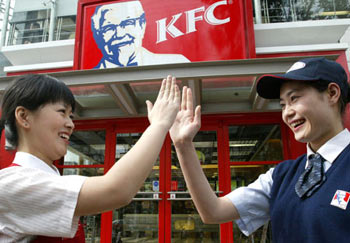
(268, 86)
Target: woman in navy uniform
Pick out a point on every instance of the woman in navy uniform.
(38, 205)
(306, 199)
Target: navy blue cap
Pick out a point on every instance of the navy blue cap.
(309, 69)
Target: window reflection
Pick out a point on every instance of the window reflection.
(86, 148)
(301, 10)
(186, 224)
(29, 27)
(65, 27)
(255, 143)
(137, 222)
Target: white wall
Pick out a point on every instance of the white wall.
(346, 39)
(64, 7)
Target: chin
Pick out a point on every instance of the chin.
(301, 139)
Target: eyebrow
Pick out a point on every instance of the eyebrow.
(289, 93)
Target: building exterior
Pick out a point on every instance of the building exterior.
(218, 48)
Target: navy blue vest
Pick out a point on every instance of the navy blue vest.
(311, 219)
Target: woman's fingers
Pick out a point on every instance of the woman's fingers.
(184, 98)
(172, 88)
(162, 89)
(177, 95)
(189, 101)
(167, 86)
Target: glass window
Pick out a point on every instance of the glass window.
(65, 27)
(92, 223)
(255, 143)
(301, 10)
(186, 224)
(138, 221)
(29, 27)
(86, 148)
(92, 228)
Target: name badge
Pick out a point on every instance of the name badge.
(341, 199)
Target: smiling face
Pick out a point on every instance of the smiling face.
(47, 132)
(311, 115)
(122, 29)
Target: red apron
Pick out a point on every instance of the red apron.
(78, 238)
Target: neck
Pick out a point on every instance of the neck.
(316, 145)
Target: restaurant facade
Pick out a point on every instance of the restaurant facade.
(113, 55)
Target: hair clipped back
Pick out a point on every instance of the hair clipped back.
(30, 91)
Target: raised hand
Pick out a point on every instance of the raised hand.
(187, 123)
(167, 105)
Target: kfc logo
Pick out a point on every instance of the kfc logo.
(122, 33)
(191, 20)
(118, 30)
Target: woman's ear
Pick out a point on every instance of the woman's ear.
(334, 93)
(22, 118)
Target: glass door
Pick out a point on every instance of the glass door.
(86, 157)
(138, 221)
(253, 150)
(186, 224)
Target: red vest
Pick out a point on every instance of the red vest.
(78, 238)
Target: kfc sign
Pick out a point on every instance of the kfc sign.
(147, 32)
(191, 19)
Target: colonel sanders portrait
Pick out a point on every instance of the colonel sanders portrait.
(118, 30)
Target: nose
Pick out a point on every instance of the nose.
(70, 124)
(119, 31)
(287, 113)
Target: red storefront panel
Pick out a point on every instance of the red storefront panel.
(146, 32)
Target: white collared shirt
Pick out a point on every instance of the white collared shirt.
(36, 200)
(252, 202)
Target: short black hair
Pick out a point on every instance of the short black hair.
(31, 91)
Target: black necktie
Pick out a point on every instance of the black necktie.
(312, 178)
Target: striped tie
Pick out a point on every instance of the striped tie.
(312, 178)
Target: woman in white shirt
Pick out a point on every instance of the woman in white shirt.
(37, 113)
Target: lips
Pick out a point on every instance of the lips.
(64, 136)
(297, 123)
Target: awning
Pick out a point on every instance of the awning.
(218, 86)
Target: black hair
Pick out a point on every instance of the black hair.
(322, 86)
(32, 91)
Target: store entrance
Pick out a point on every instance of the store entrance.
(232, 150)
(164, 202)
(138, 221)
(186, 224)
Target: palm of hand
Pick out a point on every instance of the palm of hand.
(164, 111)
(184, 127)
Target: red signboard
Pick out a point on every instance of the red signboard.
(132, 33)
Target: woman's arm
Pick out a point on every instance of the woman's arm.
(117, 188)
(211, 208)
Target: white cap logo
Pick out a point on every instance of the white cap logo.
(296, 66)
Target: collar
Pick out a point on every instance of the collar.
(30, 161)
(332, 148)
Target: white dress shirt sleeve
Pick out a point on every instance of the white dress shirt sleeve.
(34, 202)
(252, 203)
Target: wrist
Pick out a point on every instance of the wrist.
(183, 144)
(160, 127)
